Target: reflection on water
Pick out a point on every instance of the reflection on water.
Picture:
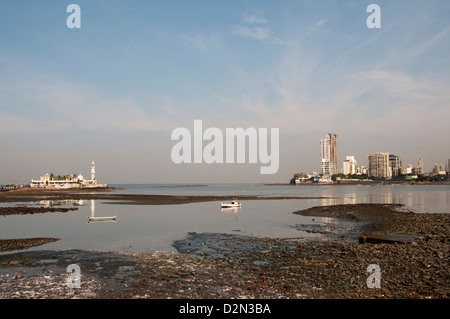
(61, 202)
(419, 198)
(153, 227)
(100, 219)
(231, 210)
(156, 227)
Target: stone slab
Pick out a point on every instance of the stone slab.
(389, 238)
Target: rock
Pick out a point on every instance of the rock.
(387, 238)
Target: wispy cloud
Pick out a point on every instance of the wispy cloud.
(441, 36)
(199, 41)
(257, 33)
(399, 84)
(255, 26)
(253, 19)
(350, 103)
(59, 105)
(319, 23)
(316, 27)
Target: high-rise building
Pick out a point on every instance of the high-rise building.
(349, 166)
(396, 164)
(448, 166)
(379, 165)
(419, 169)
(438, 169)
(328, 154)
(408, 170)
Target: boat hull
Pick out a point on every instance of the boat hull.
(230, 205)
(102, 219)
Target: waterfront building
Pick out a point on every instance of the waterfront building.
(361, 170)
(349, 166)
(328, 155)
(419, 169)
(300, 178)
(439, 169)
(67, 181)
(396, 164)
(407, 170)
(379, 165)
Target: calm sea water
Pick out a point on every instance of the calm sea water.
(154, 227)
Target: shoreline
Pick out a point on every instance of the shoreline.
(361, 182)
(218, 266)
(32, 195)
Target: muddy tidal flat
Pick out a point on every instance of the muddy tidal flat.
(224, 266)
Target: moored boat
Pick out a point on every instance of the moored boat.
(102, 219)
(232, 204)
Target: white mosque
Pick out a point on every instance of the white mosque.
(67, 181)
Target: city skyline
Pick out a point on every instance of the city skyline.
(379, 164)
(114, 89)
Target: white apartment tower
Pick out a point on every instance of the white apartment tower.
(328, 154)
(349, 166)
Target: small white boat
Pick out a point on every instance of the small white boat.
(233, 203)
(102, 219)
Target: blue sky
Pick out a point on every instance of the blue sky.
(114, 90)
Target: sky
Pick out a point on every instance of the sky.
(114, 90)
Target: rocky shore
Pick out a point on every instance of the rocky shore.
(223, 266)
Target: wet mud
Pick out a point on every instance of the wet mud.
(31, 195)
(215, 265)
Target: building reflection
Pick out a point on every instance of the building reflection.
(329, 201)
(92, 208)
(60, 202)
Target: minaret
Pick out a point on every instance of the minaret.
(93, 171)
